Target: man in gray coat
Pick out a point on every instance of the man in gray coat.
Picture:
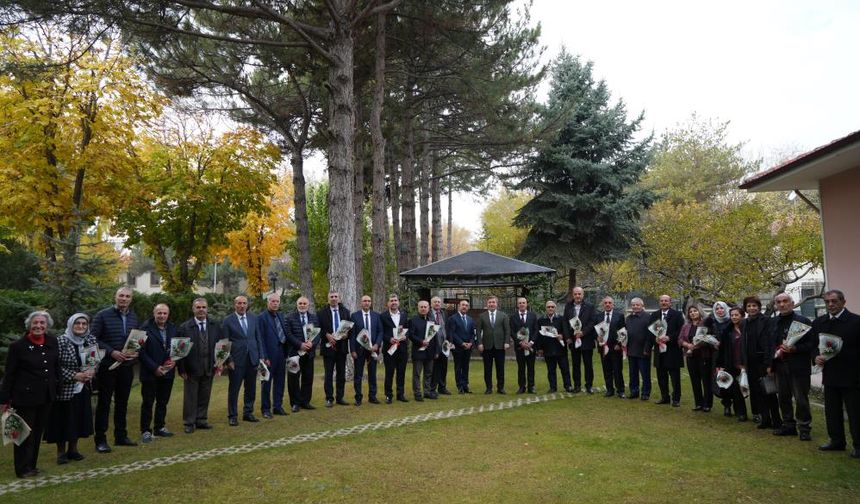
(494, 332)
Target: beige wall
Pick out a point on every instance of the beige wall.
(840, 211)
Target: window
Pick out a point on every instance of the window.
(154, 279)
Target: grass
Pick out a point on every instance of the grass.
(579, 449)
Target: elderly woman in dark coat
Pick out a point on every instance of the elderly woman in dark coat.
(72, 412)
(30, 386)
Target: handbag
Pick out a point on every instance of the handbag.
(768, 384)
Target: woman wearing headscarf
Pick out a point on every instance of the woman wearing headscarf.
(732, 358)
(30, 386)
(72, 413)
(717, 323)
(700, 359)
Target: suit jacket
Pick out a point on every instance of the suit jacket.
(388, 332)
(154, 353)
(757, 337)
(843, 370)
(530, 324)
(417, 327)
(640, 341)
(494, 336)
(551, 347)
(442, 335)
(586, 316)
(296, 336)
(30, 380)
(193, 365)
(461, 332)
(616, 322)
(327, 325)
(800, 360)
(673, 357)
(375, 329)
(261, 342)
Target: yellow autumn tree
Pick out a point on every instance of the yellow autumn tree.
(498, 233)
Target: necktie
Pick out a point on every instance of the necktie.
(281, 336)
(607, 318)
(202, 328)
(304, 320)
(438, 318)
(493, 319)
(664, 316)
(367, 322)
(523, 315)
(244, 325)
(464, 321)
(336, 316)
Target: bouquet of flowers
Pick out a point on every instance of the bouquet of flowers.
(658, 329)
(447, 346)
(429, 333)
(135, 341)
(523, 335)
(576, 325)
(724, 379)
(399, 336)
(263, 371)
(703, 338)
(796, 331)
(222, 353)
(829, 345)
(363, 339)
(602, 330)
(91, 357)
(744, 383)
(15, 429)
(293, 364)
(179, 349)
(551, 332)
(310, 333)
(342, 331)
(622, 340)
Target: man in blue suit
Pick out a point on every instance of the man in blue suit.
(301, 385)
(461, 329)
(246, 351)
(156, 374)
(273, 329)
(365, 319)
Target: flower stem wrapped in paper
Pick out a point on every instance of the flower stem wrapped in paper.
(91, 357)
(263, 371)
(429, 333)
(796, 331)
(744, 383)
(364, 340)
(702, 338)
(551, 332)
(602, 330)
(310, 332)
(622, 340)
(447, 346)
(523, 336)
(399, 336)
(15, 429)
(179, 349)
(576, 325)
(342, 331)
(658, 329)
(222, 353)
(293, 364)
(135, 341)
(829, 346)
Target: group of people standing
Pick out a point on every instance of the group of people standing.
(49, 385)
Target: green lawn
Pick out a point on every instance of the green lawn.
(577, 449)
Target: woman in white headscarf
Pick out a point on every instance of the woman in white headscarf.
(717, 323)
(72, 412)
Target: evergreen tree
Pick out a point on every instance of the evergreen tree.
(587, 202)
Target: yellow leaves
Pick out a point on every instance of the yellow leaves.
(498, 232)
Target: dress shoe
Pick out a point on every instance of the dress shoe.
(373, 400)
(569, 390)
(329, 403)
(233, 422)
(521, 390)
(388, 399)
(402, 398)
(279, 412)
(577, 390)
(341, 402)
(358, 402)
(62, 459)
(589, 391)
(676, 404)
(146, 437)
(727, 411)
(609, 393)
(204, 425)
(467, 390)
(706, 409)
(267, 415)
(189, 429)
(805, 436)
(488, 391)
(855, 453)
(501, 391)
(162, 432)
(444, 392)
(552, 391)
(308, 406)
(32, 473)
(785, 431)
(756, 418)
(250, 418)
(697, 408)
(76, 456)
(620, 395)
(832, 447)
(432, 395)
(633, 396)
(124, 442)
(764, 425)
(645, 398)
(662, 401)
(742, 418)
(295, 408)
(419, 398)
(461, 391)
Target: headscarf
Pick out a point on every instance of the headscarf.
(70, 333)
(725, 317)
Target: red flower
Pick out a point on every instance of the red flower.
(14, 434)
(141, 341)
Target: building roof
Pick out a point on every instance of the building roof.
(804, 171)
(476, 263)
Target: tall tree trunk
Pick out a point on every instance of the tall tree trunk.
(436, 209)
(394, 184)
(450, 218)
(379, 230)
(407, 196)
(358, 215)
(571, 279)
(424, 196)
(341, 271)
(306, 283)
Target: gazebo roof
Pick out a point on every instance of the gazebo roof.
(478, 266)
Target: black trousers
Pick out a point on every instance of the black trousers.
(834, 399)
(733, 397)
(559, 361)
(395, 367)
(154, 391)
(525, 369)
(496, 356)
(794, 385)
(663, 376)
(701, 369)
(335, 363)
(364, 359)
(246, 375)
(27, 454)
(440, 374)
(613, 371)
(301, 385)
(767, 406)
(582, 359)
(114, 384)
(462, 358)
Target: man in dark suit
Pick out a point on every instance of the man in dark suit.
(525, 318)
(198, 368)
(553, 351)
(244, 330)
(439, 384)
(395, 364)
(494, 332)
(841, 376)
(423, 353)
(301, 384)
(581, 357)
(640, 342)
(792, 369)
(369, 320)
(271, 331)
(461, 329)
(334, 352)
(611, 356)
(670, 362)
(156, 373)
